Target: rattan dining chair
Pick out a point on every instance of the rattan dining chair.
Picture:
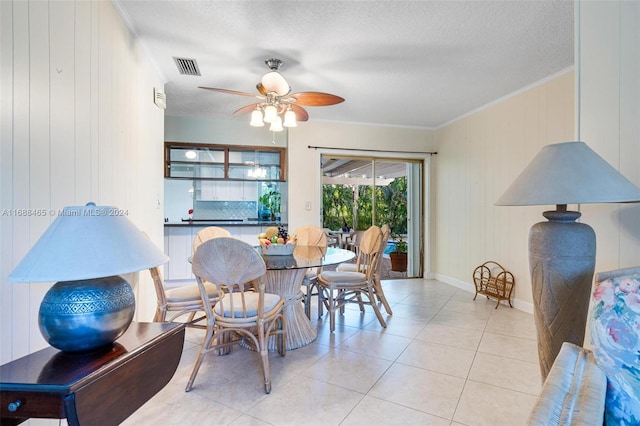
(179, 301)
(250, 317)
(377, 287)
(340, 288)
(175, 302)
(311, 235)
(362, 265)
(208, 233)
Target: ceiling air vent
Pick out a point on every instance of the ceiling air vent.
(187, 66)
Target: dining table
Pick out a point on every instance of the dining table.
(285, 274)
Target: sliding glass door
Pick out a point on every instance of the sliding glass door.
(362, 191)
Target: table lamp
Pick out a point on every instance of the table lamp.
(84, 250)
(561, 250)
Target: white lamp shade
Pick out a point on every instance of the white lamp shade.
(290, 118)
(88, 242)
(568, 173)
(274, 82)
(276, 124)
(270, 113)
(256, 118)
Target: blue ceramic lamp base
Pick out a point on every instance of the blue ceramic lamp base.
(83, 315)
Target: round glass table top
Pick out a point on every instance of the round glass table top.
(307, 257)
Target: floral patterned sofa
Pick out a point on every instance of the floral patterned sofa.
(601, 385)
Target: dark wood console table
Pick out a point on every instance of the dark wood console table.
(97, 388)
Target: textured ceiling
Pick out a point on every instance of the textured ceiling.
(399, 63)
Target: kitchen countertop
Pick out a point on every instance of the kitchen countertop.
(202, 223)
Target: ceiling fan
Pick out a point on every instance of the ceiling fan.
(275, 99)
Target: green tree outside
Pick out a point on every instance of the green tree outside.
(391, 206)
(337, 205)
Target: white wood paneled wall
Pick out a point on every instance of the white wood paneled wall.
(78, 125)
(610, 119)
(480, 155)
(478, 158)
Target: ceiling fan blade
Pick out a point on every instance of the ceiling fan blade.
(231, 92)
(316, 98)
(245, 109)
(301, 113)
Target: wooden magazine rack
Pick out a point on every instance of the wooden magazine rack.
(493, 281)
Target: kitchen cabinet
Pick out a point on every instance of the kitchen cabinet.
(224, 162)
(212, 191)
(250, 191)
(255, 164)
(248, 234)
(189, 161)
(178, 241)
(226, 190)
(177, 245)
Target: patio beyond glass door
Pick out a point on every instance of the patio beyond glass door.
(361, 192)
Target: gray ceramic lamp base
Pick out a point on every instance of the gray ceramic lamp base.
(562, 262)
(83, 315)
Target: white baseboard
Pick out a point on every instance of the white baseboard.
(470, 287)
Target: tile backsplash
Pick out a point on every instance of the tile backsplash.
(225, 209)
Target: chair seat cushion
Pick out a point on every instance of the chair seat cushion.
(251, 304)
(190, 292)
(350, 267)
(343, 277)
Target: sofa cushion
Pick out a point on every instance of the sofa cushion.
(574, 391)
(615, 341)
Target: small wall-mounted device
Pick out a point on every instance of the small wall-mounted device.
(159, 98)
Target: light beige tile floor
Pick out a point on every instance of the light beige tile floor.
(444, 359)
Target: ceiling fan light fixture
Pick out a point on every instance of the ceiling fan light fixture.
(256, 118)
(290, 118)
(270, 113)
(275, 100)
(276, 124)
(274, 82)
